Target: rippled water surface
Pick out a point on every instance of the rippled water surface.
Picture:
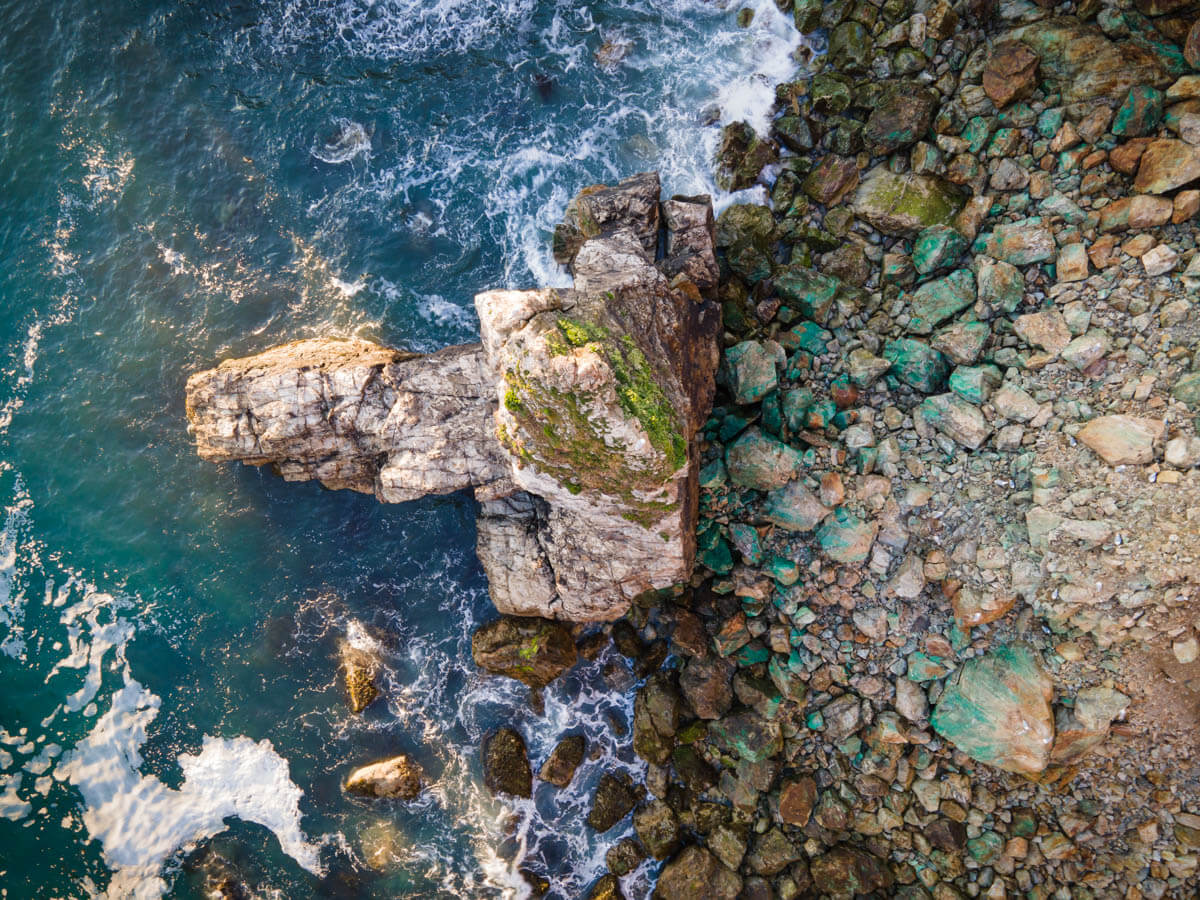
(184, 182)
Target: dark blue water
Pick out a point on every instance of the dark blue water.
(183, 182)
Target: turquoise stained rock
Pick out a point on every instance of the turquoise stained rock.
(962, 342)
(1141, 112)
(996, 710)
(789, 683)
(732, 425)
(745, 540)
(718, 558)
(975, 383)
(796, 404)
(1050, 121)
(783, 570)
(748, 735)
(750, 371)
(794, 507)
(1000, 284)
(806, 336)
(936, 301)
(757, 460)
(845, 538)
(1020, 243)
(922, 668)
(976, 132)
(1187, 390)
(937, 247)
(807, 291)
(986, 848)
(772, 414)
(917, 364)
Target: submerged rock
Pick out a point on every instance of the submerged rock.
(399, 777)
(573, 421)
(506, 764)
(996, 709)
(533, 651)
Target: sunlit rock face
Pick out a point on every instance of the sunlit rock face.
(574, 420)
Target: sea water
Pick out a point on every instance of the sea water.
(185, 182)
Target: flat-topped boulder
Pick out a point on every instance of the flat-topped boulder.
(573, 421)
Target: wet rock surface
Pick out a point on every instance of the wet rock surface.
(399, 777)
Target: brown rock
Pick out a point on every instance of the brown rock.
(972, 607)
(796, 801)
(832, 179)
(1187, 204)
(559, 768)
(1125, 157)
(1011, 73)
(1101, 251)
(1167, 164)
(706, 685)
(1191, 47)
(506, 764)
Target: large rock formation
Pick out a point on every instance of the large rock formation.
(573, 421)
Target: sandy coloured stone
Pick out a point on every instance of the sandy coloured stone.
(959, 420)
(1047, 329)
(398, 776)
(1167, 164)
(1072, 263)
(1122, 440)
(1149, 211)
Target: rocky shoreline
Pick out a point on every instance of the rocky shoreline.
(939, 638)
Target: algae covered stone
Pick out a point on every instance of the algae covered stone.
(996, 709)
(905, 204)
(506, 764)
(534, 651)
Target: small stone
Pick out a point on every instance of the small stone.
(1087, 349)
(845, 538)
(937, 247)
(1000, 284)
(614, 799)
(1122, 440)
(694, 873)
(911, 701)
(909, 580)
(795, 508)
(1141, 112)
(657, 828)
(1186, 650)
(1167, 164)
(917, 364)
(974, 607)
(865, 368)
(1160, 260)
(1187, 389)
(399, 777)
(957, 419)
(797, 798)
(1013, 403)
(962, 342)
(1183, 452)
(757, 460)
(832, 179)
(935, 301)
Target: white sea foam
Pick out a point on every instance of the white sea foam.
(142, 823)
(345, 141)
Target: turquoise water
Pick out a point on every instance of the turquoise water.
(186, 182)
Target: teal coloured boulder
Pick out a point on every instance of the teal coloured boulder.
(936, 301)
(917, 364)
(937, 247)
(749, 370)
(807, 291)
(845, 538)
(996, 710)
(794, 507)
(1141, 112)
